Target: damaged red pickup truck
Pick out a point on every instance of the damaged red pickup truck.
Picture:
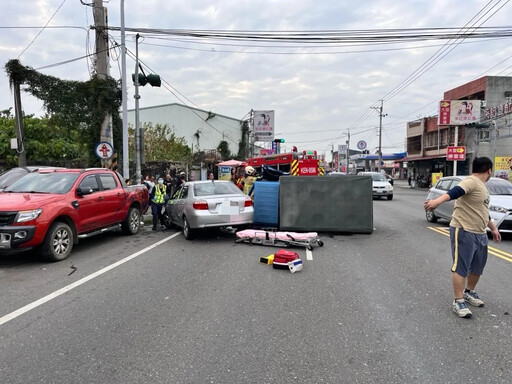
(52, 209)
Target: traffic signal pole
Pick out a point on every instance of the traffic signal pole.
(138, 172)
(124, 90)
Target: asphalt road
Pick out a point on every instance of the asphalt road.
(366, 309)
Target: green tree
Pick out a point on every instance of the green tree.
(161, 143)
(75, 105)
(243, 145)
(223, 148)
(47, 142)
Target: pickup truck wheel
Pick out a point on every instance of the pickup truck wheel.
(131, 225)
(58, 243)
(187, 232)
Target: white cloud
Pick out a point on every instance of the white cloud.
(320, 94)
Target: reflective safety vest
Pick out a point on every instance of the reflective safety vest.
(248, 182)
(158, 198)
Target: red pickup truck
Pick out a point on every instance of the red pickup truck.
(52, 209)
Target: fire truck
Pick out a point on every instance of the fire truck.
(298, 164)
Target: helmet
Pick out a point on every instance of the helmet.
(249, 170)
(182, 174)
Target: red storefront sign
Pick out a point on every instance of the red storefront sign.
(444, 112)
(456, 153)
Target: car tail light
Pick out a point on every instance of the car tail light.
(201, 205)
(248, 202)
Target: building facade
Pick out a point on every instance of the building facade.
(427, 141)
(202, 130)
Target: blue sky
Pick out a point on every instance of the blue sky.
(318, 94)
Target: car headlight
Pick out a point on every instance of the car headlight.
(24, 216)
(496, 208)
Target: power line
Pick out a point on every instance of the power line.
(41, 31)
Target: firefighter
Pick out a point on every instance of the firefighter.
(249, 179)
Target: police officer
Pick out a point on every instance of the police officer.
(157, 199)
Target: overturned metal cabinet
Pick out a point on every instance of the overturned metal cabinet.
(326, 204)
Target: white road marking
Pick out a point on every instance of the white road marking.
(309, 254)
(84, 280)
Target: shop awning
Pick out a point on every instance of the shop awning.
(421, 158)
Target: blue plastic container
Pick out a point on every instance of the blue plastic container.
(266, 203)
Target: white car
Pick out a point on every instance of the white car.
(380, 185)
(500, 206)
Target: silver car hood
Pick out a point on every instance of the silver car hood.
(504, 201)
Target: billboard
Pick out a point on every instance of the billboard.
(503, 167)
(263, 125)
(459, 112)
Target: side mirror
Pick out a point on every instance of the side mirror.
(82, 191)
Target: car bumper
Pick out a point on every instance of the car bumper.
(502, 221)
(382, 193)
(13, 237)
(206, 220)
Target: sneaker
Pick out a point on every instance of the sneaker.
(461, 309)
(154, 228)
(472, 298)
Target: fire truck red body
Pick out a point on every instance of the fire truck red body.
(302, 164)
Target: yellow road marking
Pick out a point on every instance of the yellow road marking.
(492, 250)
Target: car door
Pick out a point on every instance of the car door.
(178, 205)
(88, 205)
(113, 198)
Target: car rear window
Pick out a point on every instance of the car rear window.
(213, 188)
(44, 182)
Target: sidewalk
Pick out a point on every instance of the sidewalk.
(402, 183)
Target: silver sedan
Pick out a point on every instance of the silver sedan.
(500, 206)
(208, 204)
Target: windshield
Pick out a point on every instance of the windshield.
(215, 188)
(54, 182)
(379, 177)
(499, 187)
(10, 176)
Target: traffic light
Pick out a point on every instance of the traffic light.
(152, 79)
(142, 79)
(278, 140)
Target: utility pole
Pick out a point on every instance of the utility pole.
(381, 115)
(20, 130)
(348, 149)
(100, 22)
(124, 90)
(138, 172)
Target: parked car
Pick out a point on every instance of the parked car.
(51, 209)
(208, 204)
(500, 205)
(380, 185)
(10, 176)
